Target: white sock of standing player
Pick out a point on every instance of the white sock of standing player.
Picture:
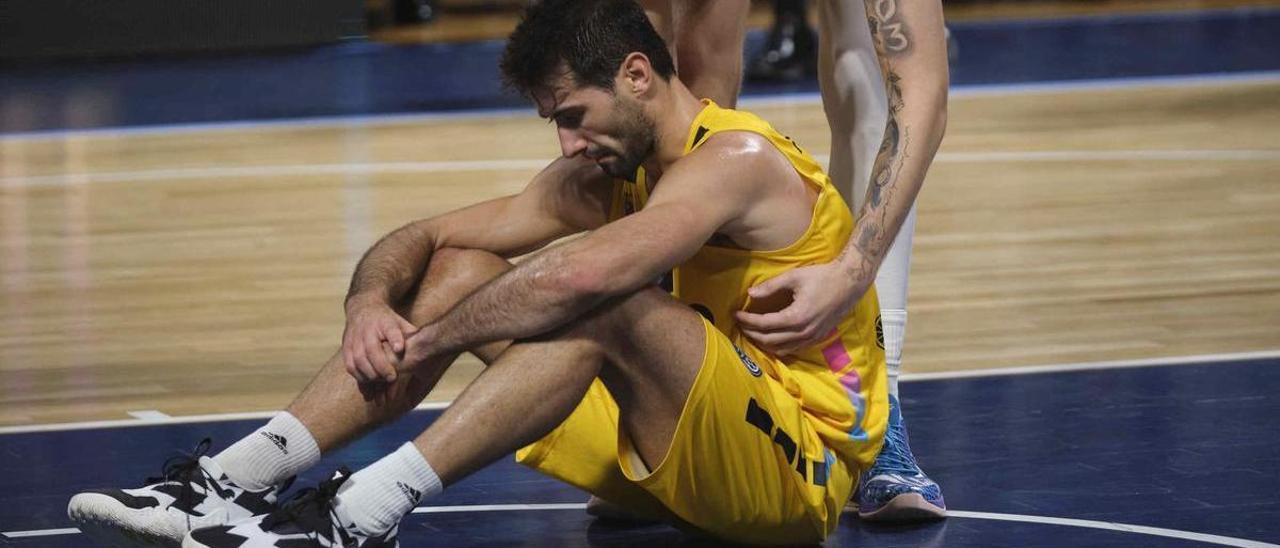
(891, 285)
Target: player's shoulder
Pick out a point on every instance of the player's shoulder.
(739, 145)
(746, 154)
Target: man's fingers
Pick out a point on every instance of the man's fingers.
(774, 321)
(395, 338)
(770, 286)
(393, 358)
(772, 339)
(383, 370)
(347, 362)
(365, 371)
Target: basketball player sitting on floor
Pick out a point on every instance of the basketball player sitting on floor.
(652, 400)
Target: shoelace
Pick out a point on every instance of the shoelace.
(897, 458)
(312, 508)
(185, 469)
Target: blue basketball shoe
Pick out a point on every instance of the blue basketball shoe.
(895, 489)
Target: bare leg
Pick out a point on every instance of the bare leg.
(662, 18)
(646, 347)
(709, 37)
(332, 406)
(853, 95)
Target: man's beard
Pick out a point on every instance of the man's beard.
(638, 137)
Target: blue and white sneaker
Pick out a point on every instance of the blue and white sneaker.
(307, 520)
(192, 492)
(894, 489)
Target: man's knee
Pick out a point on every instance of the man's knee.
(473, 265)
(452, 274)
(616, 319)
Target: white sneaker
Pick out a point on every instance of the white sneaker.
(192, 493)
(308, 520)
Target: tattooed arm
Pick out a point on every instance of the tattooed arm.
(909, 40)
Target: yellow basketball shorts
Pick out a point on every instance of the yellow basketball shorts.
(744, 463)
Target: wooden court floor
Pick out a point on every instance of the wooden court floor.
(202, 270)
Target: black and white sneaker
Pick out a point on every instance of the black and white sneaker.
(306, 520)
(191, 493)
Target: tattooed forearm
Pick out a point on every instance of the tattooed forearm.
(887, 25)
(906, 44)
(871, 239)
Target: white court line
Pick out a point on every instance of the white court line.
(149, 415)
(40, 533)
(907, 377)
(182, 419)
(221, 172)
(1091, 524)
(749, 101)
(1113, 526)
(314, 170)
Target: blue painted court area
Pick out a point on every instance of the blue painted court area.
(370, 78)
(1189, 449)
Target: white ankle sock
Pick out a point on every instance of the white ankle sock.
(378, 497)
(280, 449)
(895, 329)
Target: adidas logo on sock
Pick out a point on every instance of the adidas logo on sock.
(413, 494)
(279, 440)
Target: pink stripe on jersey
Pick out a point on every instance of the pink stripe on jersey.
(837, 357)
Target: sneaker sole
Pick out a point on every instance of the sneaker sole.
(905, 508)
(104, 519)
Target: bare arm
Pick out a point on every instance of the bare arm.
(556, 203)
(910, 43)
(550, 207)
(557, 285)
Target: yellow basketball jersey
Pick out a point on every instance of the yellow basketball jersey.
(841, 382)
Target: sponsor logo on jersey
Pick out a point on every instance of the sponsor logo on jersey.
(747, 361)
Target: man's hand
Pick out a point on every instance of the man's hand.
(372, 328)
(418, 350)
(821, 296)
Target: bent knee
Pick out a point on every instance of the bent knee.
(452, 274)
(465, 264)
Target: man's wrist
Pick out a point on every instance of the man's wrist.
(363, 299)
(856, 267)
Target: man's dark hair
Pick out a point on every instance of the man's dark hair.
(590, 37)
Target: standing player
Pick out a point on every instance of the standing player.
(883, 72)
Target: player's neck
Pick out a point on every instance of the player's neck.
(675, 113)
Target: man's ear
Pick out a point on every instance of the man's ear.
(636, 74)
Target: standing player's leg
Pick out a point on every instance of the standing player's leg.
(705, 38)
(709, 36)
(244, 479)
(853, 96)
